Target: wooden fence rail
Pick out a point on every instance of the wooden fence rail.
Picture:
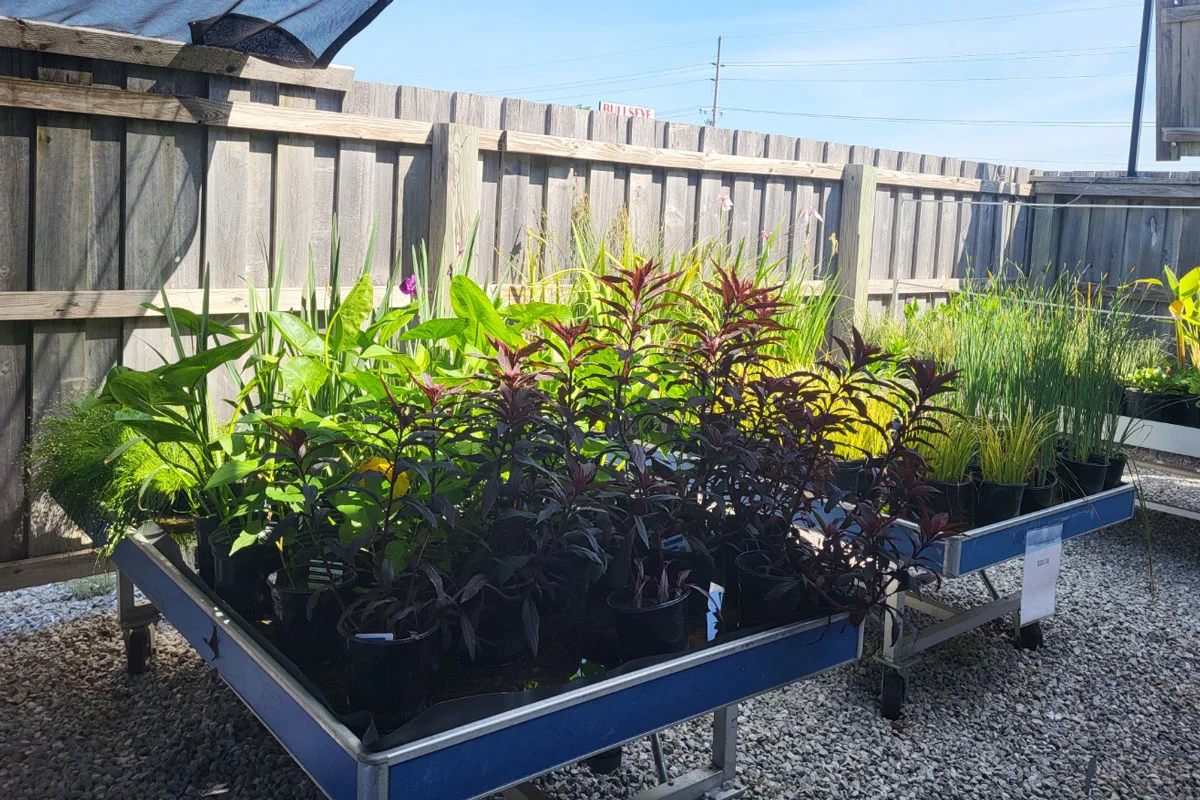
(129, 164)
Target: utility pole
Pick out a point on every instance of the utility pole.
(716, 86)
(1139, 89)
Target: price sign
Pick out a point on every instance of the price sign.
(1043, 553)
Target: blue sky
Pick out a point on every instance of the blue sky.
(861, 58)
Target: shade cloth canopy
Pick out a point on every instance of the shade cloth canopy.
(299, 33)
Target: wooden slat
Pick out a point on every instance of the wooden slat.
(51, 569)
(746, 221)
(679, 199)
(643, 199)
(712, 221)
(38, 95)
(48, 37)
(566, 181)
(778, 196)
(807, 230)
(483, 112)
(604, 200)
(453, 195)
(413, 167)
(127, 303)
(1109, 188)
(1176, 14)
(17, 155)
(831, 200)
(855, 233)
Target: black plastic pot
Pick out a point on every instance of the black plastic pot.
(390, 679)
(1166, 407)
(205, 528)
(1082, 478)
(303, 638)
(952, 498)
(1191, 417)
(238, 579)
(997, 502)
(499, 625)
(607, 762)
(651, 631)
(847, 475)
(1131, 406)
(1115, 471)
(865, 475)
(1038, 496)
(755, 584)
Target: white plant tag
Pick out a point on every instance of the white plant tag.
(375, 637)
(1043, 553)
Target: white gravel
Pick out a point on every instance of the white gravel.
(1115, 688)
(39, 606)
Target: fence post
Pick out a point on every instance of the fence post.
(1041, 251)
(855, 232)
(453, 194)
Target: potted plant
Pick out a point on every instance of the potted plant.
(1007, 452)
(949, 454)
(1160, 396)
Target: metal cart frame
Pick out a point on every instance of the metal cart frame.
(505, 750)
(973, 553)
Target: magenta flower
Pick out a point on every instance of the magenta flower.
(409, 285)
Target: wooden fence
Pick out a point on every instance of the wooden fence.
(119, 169)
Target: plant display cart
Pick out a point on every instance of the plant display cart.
(503, 750)
(973, 553)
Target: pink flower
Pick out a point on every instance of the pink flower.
(765, 234)
(809, 214)
(409, 285)
(724, 202)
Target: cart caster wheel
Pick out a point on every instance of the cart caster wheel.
(1030, 636)
(891, 697)
(139, 648)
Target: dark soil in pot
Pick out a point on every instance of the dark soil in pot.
(756, 607)
(499, 625)
(238, 579)
(1082, 478)
(651, 630)
(305, 638)
(390, 679)
(952, 498)
(1039, 494)
(997, 502)
(1115, 471)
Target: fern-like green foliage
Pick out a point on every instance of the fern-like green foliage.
(69, 459)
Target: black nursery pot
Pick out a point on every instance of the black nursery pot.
(303, 639)
(1115, 471)
(1082, 478)
(755, 584)
(952, 498)
(238, 579)
(390, 679)
(499, 625)
(1131, 406)
(1038, 497)
(1191, 417)
(205, 528)
(998, 501)
(651, 631)
(847, 475)
(1166, 407)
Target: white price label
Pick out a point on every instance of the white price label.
(1043, 553)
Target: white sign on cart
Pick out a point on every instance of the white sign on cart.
(1043, 553)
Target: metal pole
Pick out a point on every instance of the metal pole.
(717, 84)
(1139, 91)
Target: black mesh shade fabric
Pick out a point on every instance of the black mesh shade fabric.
(298, 33)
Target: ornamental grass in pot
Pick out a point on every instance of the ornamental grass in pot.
(1007, 452)
(949, 454)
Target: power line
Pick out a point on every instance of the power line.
(623, 89)
(930, 120)
(958, 20)
(1011, 55)
(931, 80)
(605, 54)
(623, 78)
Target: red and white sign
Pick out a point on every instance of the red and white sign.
(627, 111)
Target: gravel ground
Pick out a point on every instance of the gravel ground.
(1114, 691)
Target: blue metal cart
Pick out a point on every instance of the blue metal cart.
(972, 553)
(493, 753)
